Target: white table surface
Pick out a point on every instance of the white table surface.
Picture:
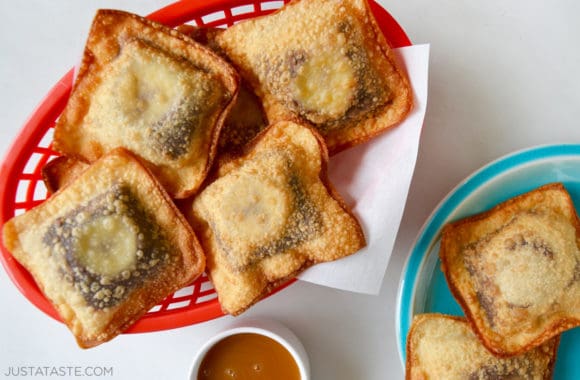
(503, 76)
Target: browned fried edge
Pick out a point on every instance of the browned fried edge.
(420, 317)
(60, 171)
(477, 325)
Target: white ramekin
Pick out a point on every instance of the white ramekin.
(265, 327)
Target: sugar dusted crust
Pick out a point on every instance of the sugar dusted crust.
(515, 269)
(445, 347)
(153, 91)
(323, 62)
(106, 247)
(271, 213)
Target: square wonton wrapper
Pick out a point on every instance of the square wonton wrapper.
(326, 63)
(153, 91)
(270, 214)
(515, 269)
(106, 248)
(445, 347)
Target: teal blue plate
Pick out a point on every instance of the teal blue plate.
(423, 286)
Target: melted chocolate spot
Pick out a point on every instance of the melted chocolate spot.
(498, 372)
(173, 133)
(471, 258)
(515, 306)
(576, 277)
(543, 249)
(304, 223)
(344, 27)
(294, 60)
(519, 241)
(487, 304)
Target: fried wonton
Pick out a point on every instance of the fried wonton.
(106, 248)
(445, 347)
(61, 171)
(324, 62)
(270, 214)
(153, 91)
(515, 269)
(247, 117)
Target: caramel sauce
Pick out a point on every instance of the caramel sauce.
(248, 356)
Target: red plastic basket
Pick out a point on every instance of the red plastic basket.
(21, 186)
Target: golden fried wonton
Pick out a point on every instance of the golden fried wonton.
(445, 347)
(106, 248)
(515, 269)
(324, 62)
(270, 214)
(153, 91)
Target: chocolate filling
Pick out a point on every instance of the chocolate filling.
(519, 241)
(173, 134)
(471, 259)
(98, 290)
(304, 223)
(500, 372)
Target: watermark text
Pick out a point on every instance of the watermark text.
(57, 371)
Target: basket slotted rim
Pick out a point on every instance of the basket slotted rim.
(21, 186)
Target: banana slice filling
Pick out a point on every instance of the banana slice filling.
(107, 247)
(325, 86)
